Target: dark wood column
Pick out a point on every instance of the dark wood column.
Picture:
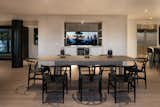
(17, 29)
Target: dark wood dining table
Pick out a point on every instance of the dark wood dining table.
(83, 60)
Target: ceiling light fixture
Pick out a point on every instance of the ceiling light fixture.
(145, 10)
(82, 21)
(147, 16)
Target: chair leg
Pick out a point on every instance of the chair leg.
(28, 78)
(128, 87)
(79, 86)
(137, 81)
(63, 91)
(108, 86)
(34, 79)
(42, 95)
(28, 84)
(67, 87)
(28, 81)
(81, 92)
(145, 79)
(134, 91)
(145, 83)
(80, 89)
(115, 92)
(100, 89)
(70, 73)
(66, 83)
(46, 89)
(100, 96)
(70, 77)
(81, 95)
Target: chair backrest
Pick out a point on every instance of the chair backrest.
(83, 69)
(60, 69)
(45, 73)
(130, 72)
(36, 66)
(32, 65)
(45, 70)
(141, 64)
(111, 68)
(156, 50)
(149, 50)
(90, 70)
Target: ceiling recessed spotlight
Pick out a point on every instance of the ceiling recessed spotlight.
(150, 18)
(146, 11)
(82, 21)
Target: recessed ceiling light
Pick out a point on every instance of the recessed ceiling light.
(146, 11)
(82, 21)
(150, 18)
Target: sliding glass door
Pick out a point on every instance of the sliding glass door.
(146, 36)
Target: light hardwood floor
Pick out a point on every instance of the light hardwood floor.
(13, 92)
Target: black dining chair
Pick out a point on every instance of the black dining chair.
(90, 83)
(66, 66)
(141, 69)
(61, 70)
(150, 54)
(156, 55)
(34, 72)
(117, 81)
(54, 83)
(68, 69)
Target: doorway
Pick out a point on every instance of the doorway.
(146, 37)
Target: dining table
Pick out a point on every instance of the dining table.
(84, 60)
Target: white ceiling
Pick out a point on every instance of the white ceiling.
(133, 8)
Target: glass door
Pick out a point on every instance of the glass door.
(146, 36)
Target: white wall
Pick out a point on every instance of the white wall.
(51, 34)
(132, 38)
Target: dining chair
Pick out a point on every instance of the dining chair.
(34, 72)
(90, 83)
(150, 54)
(54, 83)
(117, 81)
(66, 66)
(141, 69)
(156, 55)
